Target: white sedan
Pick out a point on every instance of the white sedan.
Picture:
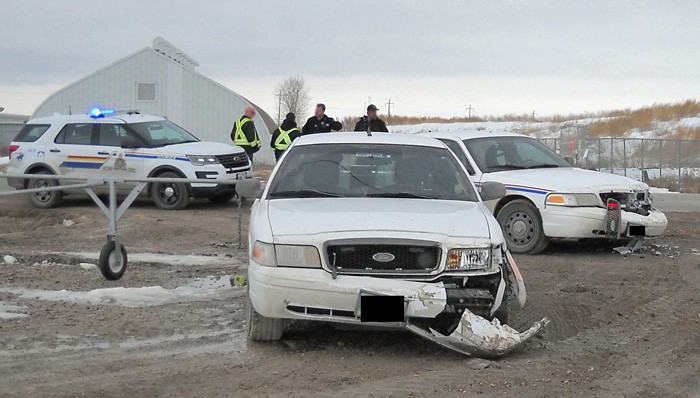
(547, 197)
(385, 230)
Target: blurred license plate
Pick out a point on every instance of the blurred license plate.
(381, 309)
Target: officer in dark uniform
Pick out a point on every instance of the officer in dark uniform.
(371, 120)
(282, 137)
(244, 134)
(320, 122)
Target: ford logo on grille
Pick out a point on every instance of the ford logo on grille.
(383, 257)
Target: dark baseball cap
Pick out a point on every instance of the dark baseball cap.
(372, 107)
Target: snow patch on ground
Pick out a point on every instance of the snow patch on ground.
(171, 259)
(10, 311)
(136, 297)
(4, 161)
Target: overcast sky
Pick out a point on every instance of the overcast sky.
(429, 57)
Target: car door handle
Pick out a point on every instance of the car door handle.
(55, 150)
(103, 153)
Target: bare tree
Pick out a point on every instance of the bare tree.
(292, 95)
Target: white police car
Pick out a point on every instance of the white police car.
(548, 198)
(130, 145)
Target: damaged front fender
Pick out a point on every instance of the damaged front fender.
(476, 336)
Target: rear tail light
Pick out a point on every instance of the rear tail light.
(12, 149)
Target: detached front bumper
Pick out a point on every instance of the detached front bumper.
(590, 222)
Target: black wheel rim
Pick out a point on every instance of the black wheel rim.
(43, 196)
(521, 228)
(169, 193)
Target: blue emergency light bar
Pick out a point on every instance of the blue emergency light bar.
(97, 112)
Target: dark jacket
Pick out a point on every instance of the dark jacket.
(323, 125)
(376, 124)
(286, 126)
(250, 133)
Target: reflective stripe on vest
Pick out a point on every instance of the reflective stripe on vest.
(284, 141)
(240, 139)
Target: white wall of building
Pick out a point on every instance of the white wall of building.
(189, 99)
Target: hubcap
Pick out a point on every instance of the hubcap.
(521, 228)
(169, 193)
(115, 262)
(43, 196)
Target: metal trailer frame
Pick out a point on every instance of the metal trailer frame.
(112, 266)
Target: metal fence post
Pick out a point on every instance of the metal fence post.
(611, 155)
(642, 157)
(599, 151)
(624, 156)
(661, 157)
(679, 164)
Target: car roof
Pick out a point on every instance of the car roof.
(469, 134)
(118, 118)
(351, 137)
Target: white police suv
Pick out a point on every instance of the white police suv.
(130, 145)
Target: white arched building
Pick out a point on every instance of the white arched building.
(161, 80)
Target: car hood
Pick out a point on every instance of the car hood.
(565, 179)
(201, 148)
(329, 215)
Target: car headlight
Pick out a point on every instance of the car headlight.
(467, 259)
(297, 256)
(572, 199)
(202, 160)
(286, 255)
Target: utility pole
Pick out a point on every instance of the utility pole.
(533, 115)
(388, 109)
(470, 109)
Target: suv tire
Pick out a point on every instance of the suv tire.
(44, 200)
(169, 195)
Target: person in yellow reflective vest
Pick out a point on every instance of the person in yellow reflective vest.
(244, 134)
(282, 137)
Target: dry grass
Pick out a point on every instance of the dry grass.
(686, 133)
(643, 118)
(690, 184)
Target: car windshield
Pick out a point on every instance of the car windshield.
(494, 154)
(361, 170)
(162, 132)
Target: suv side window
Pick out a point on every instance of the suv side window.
(454, 147)
(75, 134)
(113, 135)
(31, 132)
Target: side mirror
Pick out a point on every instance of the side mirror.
(492, 190)
(569, 160)
(249, 188)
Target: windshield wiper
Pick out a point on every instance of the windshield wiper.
(407, 195)
(543, 166)
(506, 167)
(304, 193)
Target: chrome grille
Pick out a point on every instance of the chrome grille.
(232, 161)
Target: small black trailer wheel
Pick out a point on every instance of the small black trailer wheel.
(112, 265)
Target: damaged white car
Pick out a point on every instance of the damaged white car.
(381, 230)
(547, 198)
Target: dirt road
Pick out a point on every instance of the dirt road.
(621, 326)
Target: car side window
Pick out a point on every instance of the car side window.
(113, 135)
(31, 132)
(455, 148)
(75, 134)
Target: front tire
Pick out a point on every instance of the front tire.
(522, 227)
(47, 199)
(262, 328)
(170, 195)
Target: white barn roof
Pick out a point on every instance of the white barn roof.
(161, 80)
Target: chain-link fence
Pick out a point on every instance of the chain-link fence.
(665, 163)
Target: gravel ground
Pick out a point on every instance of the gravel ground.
(621, 326)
